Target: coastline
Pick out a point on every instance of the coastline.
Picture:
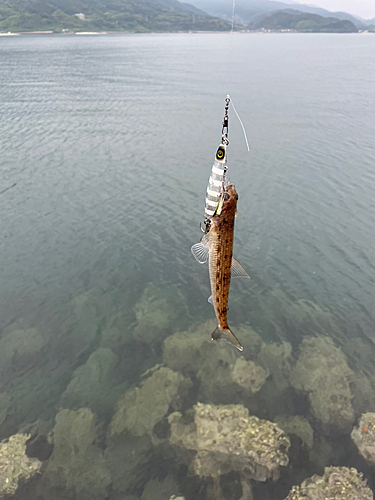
(90, 33)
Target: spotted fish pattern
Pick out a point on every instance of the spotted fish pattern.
(217, 247)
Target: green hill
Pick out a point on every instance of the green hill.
(105, 15)
(247, 11)
(303, 22)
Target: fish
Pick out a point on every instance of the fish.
(216, 247)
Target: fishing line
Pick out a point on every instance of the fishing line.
(226, 80)
(233, 7)
(230, 63)
(231, 32)
(242, 125)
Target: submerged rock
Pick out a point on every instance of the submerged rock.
(186, 351)
(249, 375)
(364, 437)
(4, 404)
(226, 438)
(39, 444)
(77, 464)
(277, 360)
(156, 313)
(215, 376)
(93, 385)
(223, 375)
(337, 483)
(117, 334)
(15, 466)
(276, 396)
(131, 437)
(363, 390)
(322, 453)
(160, 490)
(19, 351)
(323, 373)
(298, 426)
(128, 458)
(100, 313)
(140, 409)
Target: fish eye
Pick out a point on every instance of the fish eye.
(226, 196)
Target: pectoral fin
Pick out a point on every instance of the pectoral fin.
(228, 335)
(237, 270)
(200, 250)
(200, 253)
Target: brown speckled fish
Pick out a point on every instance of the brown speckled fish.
(217, 246)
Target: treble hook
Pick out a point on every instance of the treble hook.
(207, 225)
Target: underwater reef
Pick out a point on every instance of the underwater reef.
(135, 402)
(337, 483)
(15, 465)
(225, 438)
(363, 435)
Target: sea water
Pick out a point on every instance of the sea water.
(106, 147)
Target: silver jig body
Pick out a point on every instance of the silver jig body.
(217, 178)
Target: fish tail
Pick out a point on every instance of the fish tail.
(228, 335)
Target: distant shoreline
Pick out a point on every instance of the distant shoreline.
(259, 32)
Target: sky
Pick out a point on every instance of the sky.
(361, 8)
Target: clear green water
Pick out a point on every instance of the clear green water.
(106, 147)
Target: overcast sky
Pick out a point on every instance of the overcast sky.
(362, 8)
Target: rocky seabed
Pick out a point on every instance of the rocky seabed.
(188, 419)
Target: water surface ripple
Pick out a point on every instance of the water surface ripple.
(108, 143)
(106, 147)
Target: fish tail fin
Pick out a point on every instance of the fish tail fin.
(228, 335)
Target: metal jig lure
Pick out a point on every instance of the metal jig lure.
(217, 178)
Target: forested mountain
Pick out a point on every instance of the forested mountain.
(104, 15)
(169, 15)
(248, 10)
(303, 22)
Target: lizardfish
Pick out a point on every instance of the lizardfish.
(216, 246)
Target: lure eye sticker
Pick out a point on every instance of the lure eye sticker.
(220, 154)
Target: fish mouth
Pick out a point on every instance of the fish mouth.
(229, 188)
(227, 197)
